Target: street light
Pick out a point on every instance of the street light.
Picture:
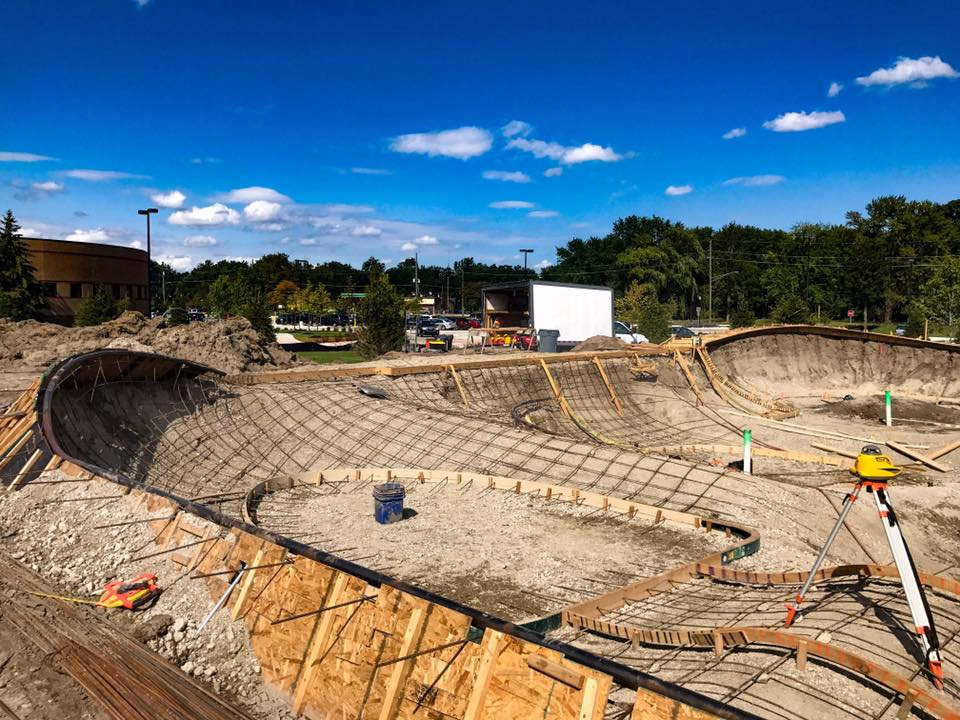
(525, 251)
(148, 212)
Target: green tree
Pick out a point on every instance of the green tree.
(381, 312)
(940, 295)
(21, 296)
(640, 308)
(96, 309)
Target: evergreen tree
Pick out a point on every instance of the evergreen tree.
(381, 312)
(640, 308)
(21, 296)
(97, 309)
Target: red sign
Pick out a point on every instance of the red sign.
(849, 313)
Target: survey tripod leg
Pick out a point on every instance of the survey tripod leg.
(848, 501)
(912, 588)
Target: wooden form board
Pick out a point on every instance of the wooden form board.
(393, 656)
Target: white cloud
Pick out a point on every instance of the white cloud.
(516, 127)
(563, 154)
(801, 121)
(408, 247)
(908, 70)
(735, 133)
(553, 172)
(511, 204)
(674, 190)
(251, 194)
(517, 176)
(216, 214)
(47, 186)
(10, 156)
(260, 211)
(142, 4)
(755, 180)
(102, 175)
(543, 264)
(99, 235)
(136, 244)
(205, 161)
(542, 213)
(177, 262)
(345, 209)
(426, 240)
(366, 231)
(370, 171)
(199, 241)
(834, 89)
(461, 143)
(172, 199)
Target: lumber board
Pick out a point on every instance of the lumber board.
(903, 450)
(945, 450)
(401, 670)
(606, 381)
(838, 451)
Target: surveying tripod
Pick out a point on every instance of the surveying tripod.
(873, 470)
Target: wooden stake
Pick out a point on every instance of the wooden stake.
(570, 678)
(606, 381)
(678, 358)
(25, 469)
(801, 655)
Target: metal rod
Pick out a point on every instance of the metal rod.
(229, 572)
(365, 598)
(438, 648)
(222, 600)
(174, 549)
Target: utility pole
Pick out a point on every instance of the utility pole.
(525, 251)
(463, 305)
(416, 276)
(710, 294)
(148, 212)
(163, 285)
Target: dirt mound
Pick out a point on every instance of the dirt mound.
(229, 345)
(601, 342)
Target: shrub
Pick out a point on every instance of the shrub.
(790, 309)
(640, 308)
(382, 313)
(742, 315)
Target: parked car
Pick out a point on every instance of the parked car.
(428, 328)
(465, 323)
(446, 323)
(623, 332)
(901, 329)
(681, 331)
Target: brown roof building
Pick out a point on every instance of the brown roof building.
(71, 271)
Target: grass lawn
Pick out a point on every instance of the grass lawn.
(330, 356)
(324, 336)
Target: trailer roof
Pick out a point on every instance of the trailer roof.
(522, 283)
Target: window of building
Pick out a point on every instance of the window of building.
(76, 290)
(116, 291)
(50, 289)
(88, 290)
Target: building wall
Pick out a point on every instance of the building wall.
(71, 271)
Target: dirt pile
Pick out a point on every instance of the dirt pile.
(601, 342)
(229, 345)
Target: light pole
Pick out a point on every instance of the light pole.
(148, 212)
(525, 251)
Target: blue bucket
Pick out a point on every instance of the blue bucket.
(388, 502)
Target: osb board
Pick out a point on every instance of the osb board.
(298, 588)
(518, 691)
(258, 581)
(342, 633)
(649, 706)
(449, 683)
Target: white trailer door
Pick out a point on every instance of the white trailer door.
(577, 312)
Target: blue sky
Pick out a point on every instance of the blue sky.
(341, 130)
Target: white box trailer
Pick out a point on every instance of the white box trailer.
(576, 311)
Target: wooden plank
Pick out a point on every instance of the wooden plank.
(318, 642)
(489, 652)
(945, 450)
(401, 670)
(28, 466)
(456, 379)
(838, 451)
(678, 358)
(606, 381)
(561, 401)
(801, 655)
(917, 456)
(247, 583)
(556, 671)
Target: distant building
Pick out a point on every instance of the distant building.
(71, 271)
